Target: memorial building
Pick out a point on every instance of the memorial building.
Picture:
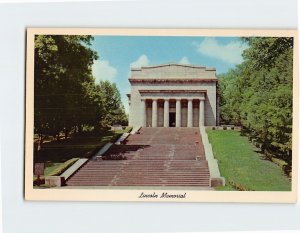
(173, 95)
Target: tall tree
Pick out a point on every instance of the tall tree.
(258, 93)
(112, 105)
(62, 68)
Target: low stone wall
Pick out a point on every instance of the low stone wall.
(57, 181)
(224, 127)
(215, 176)
(135, 129)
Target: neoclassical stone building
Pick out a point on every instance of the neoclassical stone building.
(173, 95)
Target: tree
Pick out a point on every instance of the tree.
(113, 108)
(257, 94)
(62, 71)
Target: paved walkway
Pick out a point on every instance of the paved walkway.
(155, 157)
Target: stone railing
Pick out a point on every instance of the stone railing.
(215, 176)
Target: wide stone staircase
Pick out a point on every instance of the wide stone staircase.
(154, 157)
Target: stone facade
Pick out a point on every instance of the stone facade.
(173, 95)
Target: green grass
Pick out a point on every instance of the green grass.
(55, 169)
(241, 165)
(75, 147)
(51, 167)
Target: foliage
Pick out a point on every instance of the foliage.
(257, 94)
(242, 166)
(62, 65)
(112, 105)
(66, 97)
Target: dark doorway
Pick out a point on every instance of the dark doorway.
(172, 119)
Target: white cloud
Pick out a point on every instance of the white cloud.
(102, 70)
(184, 61)
(141, 61)
(230, 53)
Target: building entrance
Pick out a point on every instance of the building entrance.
(172, 119)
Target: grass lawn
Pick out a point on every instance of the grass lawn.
(240, 163)
(55, 152)
(49, 168)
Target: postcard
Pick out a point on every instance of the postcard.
(161, 115)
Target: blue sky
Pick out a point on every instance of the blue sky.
(118, 53)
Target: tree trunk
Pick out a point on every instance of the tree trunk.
(66, 133)
(40, 143)
(80, 129)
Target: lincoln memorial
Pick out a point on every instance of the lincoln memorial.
(173, 95)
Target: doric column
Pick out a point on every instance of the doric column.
(166, 113)
(201, 113)
(143, 116)
(190, 113)
(154, 113)
(178, 113)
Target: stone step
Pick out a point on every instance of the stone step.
(155, 157)
(155, 162)
(138, 184)
(139, 175)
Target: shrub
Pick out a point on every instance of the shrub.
(39, 182)
(224, 127)
(232, 127)
(213, 128)
(238, 186)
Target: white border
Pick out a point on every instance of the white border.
(30, 217)
(123, 194)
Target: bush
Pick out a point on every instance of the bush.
(224, 127)
(213, 128)
(232, 127)
(238, 186)
(39, 182)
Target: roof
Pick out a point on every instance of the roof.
(173, 71)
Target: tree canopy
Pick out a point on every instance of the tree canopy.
(65, 93)
(257, 94)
